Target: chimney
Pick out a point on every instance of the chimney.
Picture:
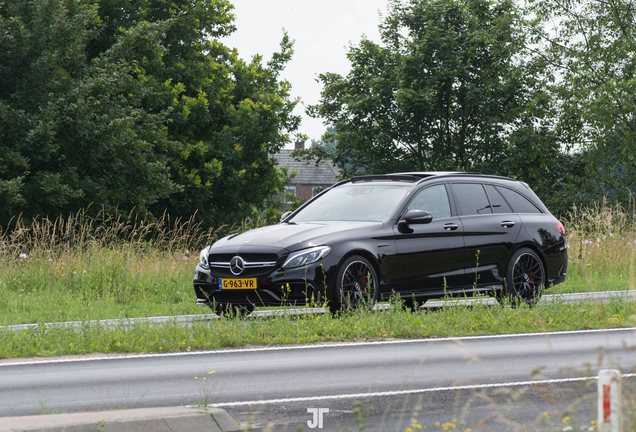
(299, 145)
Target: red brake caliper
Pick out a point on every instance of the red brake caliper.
(363, 282)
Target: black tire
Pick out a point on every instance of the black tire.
(356, 285)
(525, 278)
(410, 304)
(232, 310)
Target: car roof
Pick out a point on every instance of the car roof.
(417, 177)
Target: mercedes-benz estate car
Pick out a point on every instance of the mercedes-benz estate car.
(419, 236)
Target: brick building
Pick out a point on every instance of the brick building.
(309, 177)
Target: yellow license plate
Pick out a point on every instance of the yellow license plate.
(237, 283)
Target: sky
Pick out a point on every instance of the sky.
(322, 31)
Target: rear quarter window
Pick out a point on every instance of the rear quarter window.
(499, 205)
(518, 202)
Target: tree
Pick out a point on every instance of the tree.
(135, 104)
(326, 141)
(227, 116)
(591, 54)
(73, 131)
(441, 92)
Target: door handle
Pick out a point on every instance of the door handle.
(450, 227)
(507, 224)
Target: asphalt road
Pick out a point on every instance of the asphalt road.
(473, 379)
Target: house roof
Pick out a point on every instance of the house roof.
(307, 173)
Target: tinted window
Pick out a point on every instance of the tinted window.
(471, 199)
(434, 200)
(355, 202)
(498, 204)
(519, 203)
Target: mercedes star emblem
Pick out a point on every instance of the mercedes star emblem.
(237, 265)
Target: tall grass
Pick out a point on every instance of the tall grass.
(112, 266)
(78, 233)
(80, 268)
(601, 248)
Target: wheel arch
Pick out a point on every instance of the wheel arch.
(365, 254)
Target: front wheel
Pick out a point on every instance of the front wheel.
(356, 285)
(525, 277)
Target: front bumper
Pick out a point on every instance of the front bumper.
(298, 286)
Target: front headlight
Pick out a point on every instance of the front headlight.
(307, 256)
(203, 259)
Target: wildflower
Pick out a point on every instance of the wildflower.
(185, 258)
(23, 255)
(611, 235)
(570, 236)
(598, 240)
(565, 419)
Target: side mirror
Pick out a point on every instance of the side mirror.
(285, 215)
(415, 217)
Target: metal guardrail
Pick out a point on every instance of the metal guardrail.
(600, 296)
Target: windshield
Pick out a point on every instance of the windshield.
(356, 202)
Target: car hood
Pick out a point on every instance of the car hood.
(293, 237)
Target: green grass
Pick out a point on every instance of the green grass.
(305, 329)
(96, 284)
(78, 270)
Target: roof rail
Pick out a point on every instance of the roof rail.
(385, 177)
(424, 174)
(418, 177)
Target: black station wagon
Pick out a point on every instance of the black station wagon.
(418, 235)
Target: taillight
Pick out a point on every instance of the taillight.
(558, 226)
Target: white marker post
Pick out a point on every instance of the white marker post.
(610, 401)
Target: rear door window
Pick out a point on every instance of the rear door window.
(471, 199)
(519, 203)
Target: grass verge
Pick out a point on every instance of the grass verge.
(304, 329)
(75, 269)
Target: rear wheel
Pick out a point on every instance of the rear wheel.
(525, 278)
(356, 285)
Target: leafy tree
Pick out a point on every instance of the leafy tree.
(441, 92)
(136, 104)
(226, 115)
(73, 131)
(327, 141)
(591, 54)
